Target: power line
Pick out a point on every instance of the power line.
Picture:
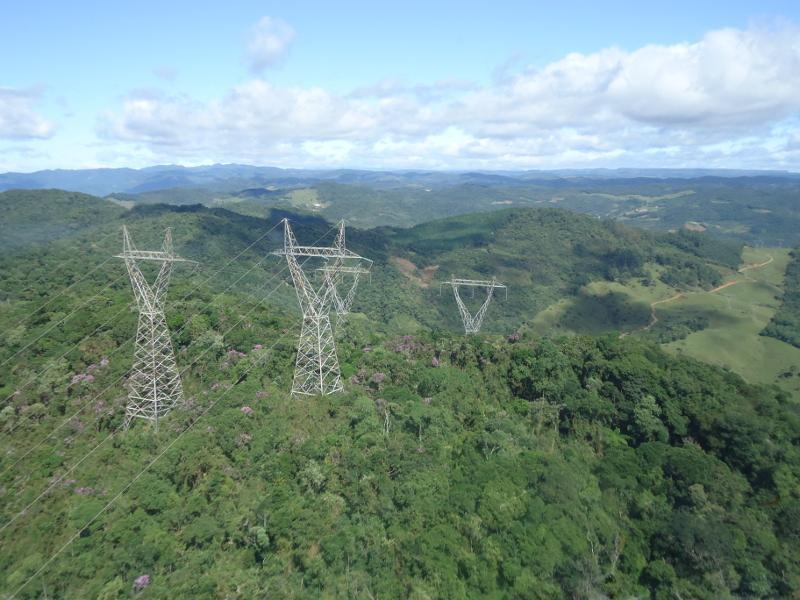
(53, 362)
(118, 429)
(214, 274)
(84, 305)
(61, 293)
(129, 484)
(121, 377)
(69, 287)
(198, 286)
(186, 368)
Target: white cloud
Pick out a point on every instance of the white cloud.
(269, 41)
(730, 99)
(730, 77)
(18, 117)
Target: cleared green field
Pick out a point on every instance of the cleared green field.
(305, 199)
(603, 306)
(737, 314)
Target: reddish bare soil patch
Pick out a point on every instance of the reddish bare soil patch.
(422, 277)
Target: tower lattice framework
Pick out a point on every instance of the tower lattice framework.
(317, 365)
(472, 323)
(154, 383)
(334, 275)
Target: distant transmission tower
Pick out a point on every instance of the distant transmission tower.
(155, 384)
(472, 323)
(316, 369)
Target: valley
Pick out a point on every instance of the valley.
(618, 351)
(568, 274)
(733, 314)
(757, 207)
(759, 210)
(738, 315)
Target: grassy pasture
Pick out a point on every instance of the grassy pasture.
(737, 314)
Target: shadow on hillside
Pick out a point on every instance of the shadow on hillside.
(606, 312)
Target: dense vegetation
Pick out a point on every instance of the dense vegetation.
(713, 250)
(542, 254)
(676, 326)
(759, 210)
(690, 258)
(31, 216)
(490, 466)
(757, 207)
(571, 467)
(785, 325)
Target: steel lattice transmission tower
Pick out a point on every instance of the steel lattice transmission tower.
(155, 383)
(472, 323)
(317, 365)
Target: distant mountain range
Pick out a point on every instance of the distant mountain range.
(231, 177)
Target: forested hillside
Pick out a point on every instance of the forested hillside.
(446, 470)
(760, 210)
(758, 207)
(542, 254)
(31, 216)
(501, 465)
(785, 325)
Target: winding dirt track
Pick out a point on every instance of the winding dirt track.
(757, 265)
(679, 295)
(653, 317)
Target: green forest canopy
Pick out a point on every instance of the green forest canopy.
(450, 467)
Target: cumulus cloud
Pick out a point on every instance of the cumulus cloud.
(18, 117)
(269, 40)
(731, 95)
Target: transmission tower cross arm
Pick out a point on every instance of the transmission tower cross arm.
(130, 252)
(151, 255)
(484, 283)
(475, 282)
(337, 251)
(319, 252)
(343, 269)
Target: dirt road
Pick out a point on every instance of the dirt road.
(679, 295)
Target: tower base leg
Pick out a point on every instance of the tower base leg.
(155, 384)
(316, 369)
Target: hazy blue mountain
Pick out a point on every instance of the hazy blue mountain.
(231, 177)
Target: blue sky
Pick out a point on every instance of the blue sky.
(424, 85)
